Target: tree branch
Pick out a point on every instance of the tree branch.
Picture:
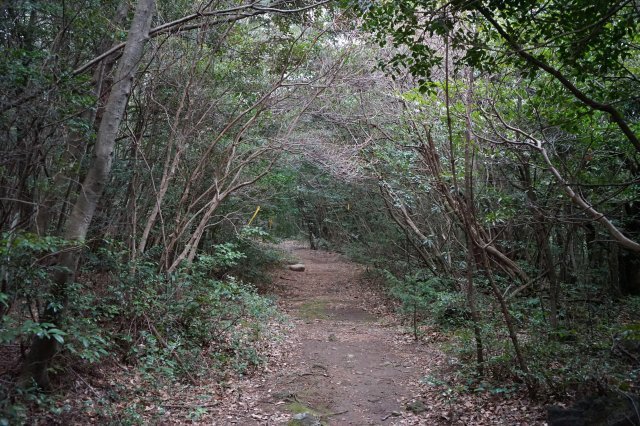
(575, 197)
(615, 115)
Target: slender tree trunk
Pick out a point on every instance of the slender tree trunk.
(473, 310)
(550, 272)
(508, 320)
(191, 247)
(614, 271)
(43, 349)
(170, 164)
(542, 235)
(469, 197)
(67, 178)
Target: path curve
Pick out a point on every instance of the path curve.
(347, 363)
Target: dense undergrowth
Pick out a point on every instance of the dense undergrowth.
(197, 324)
(594, 350)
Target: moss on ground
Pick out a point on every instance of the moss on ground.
(315, 309)
(297, 407)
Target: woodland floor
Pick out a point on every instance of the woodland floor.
(348, 361)
(340, 355)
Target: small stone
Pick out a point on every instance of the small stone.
(304, 419)
(298, 267)
(333, 338)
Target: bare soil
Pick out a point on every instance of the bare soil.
(346, 364)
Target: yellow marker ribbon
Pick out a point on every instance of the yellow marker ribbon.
(254, 216)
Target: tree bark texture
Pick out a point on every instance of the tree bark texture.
(43, 349)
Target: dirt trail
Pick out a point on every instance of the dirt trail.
(345, 364)
(346, 360)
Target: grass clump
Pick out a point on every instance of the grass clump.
(315, 309)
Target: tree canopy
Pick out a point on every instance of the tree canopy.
(480, 157)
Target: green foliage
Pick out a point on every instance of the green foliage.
(247, 255)
(170, 327)
(587, 36)
(24, 260)
(569, 359)
(224, 256)
(415, 293)
(16, 403)
(12, 332)
(189, 322)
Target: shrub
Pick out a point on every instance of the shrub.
(172, 327)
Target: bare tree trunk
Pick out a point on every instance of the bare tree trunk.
(508, 320)
(170, 165)
(190, 248)
(468, 190)
(614, 270)
(43, 349)
(473, 310)
(550, 271)
(542, 233)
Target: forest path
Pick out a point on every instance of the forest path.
(345, 363)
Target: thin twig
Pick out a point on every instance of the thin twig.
(335, 414)
(213, 404)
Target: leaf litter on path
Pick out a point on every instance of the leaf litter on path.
(371, 370)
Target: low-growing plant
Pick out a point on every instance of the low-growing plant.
(198, 320)
(415, 293)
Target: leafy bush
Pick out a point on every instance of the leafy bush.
(26, 268)
(174, 327)
(259, 256)
(415, 294)
(186, 323)
(578, 357)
